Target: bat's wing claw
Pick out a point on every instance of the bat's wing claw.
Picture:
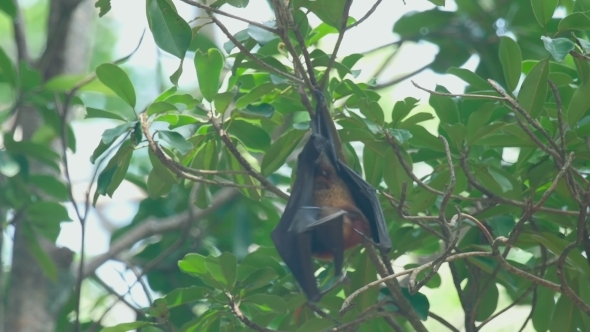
(309, 217)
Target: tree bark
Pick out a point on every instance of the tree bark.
(33, 299)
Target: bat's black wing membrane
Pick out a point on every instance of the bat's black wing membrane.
(365, 197)
(295, 235)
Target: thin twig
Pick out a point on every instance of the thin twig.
(220, 12)
(458, 94)
(560, 124)
(516, 106)
(366, 16)
(402, 78)
(254, 58)
(234, 151)
(338, 42)
(565, 287)
(235, 308)
(442, 321)
(347, 302)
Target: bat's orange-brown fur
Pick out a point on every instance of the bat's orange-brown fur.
(329, 190)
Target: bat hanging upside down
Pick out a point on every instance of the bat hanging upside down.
(329, 203)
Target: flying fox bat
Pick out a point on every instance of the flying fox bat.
(329, 204)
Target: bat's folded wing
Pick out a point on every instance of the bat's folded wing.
(365, 197)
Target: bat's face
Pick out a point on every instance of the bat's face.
(331, 193)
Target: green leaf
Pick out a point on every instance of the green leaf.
(100, 149)
(117, 80)
(110, 135)
(193, 264)
(416, 118)
(209, 68)
(475, 80)
(445, 107)
(373, 166)
(504, 183)
(259, 278)
(229, 265)
(252, 136)
(315, 324)
(576, 21)
(160, 170)
(105, 7)
(437, 2)
(401, 109)
(400, 135)
(166, 94)
(113, 174)
(510, 58)
(534, 89)
(372, 111)
(280, 150)
(419, 302)
(180, 296)
(39, 254)
(7, 68)
(456, 132)
(543, 10)
(267, 302)
(559, 47)
(171, 32)
(252, 193)
(222, 101)
(579, 104)
(156, 187)
(94, 113)
(329, 11)
(564, 316)
(48, 211)
(584, 44)
(160, 107)
(176, 140)
(177, 73)
(50, 185)
(123, 327)
(543, 313)
(254, 94)
(395, 174)
(28, 148)
(260, 35)
(488, 303)
(8, 7)
(238, 3)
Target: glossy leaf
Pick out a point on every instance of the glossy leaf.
(479, 83)
(253, 137)
(171, 32)
(534, 89)
(117, 80)
(176, 140)
(575, 21)
(280, 150)
(579, 104)
(160, 107)
(543, 10)
(510, 58)
(559, 47)
(7, 68)
(209, 66)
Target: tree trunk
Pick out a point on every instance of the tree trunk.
(34, 300)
